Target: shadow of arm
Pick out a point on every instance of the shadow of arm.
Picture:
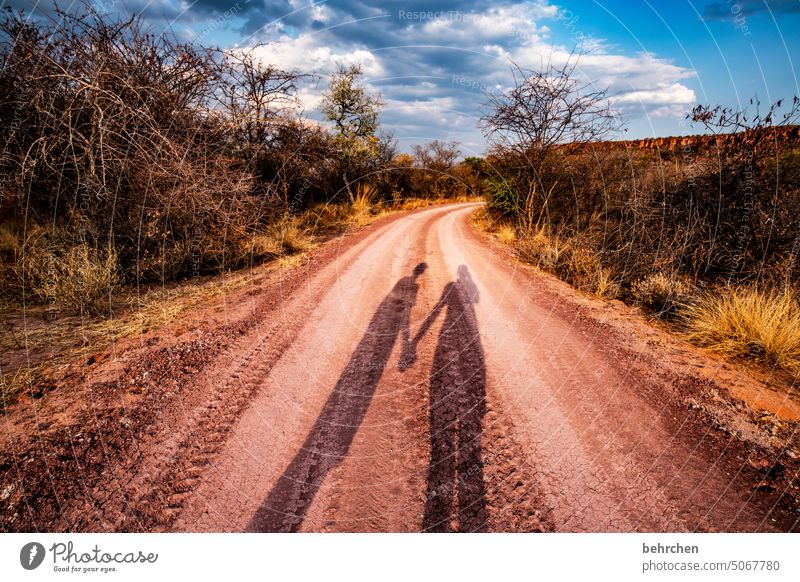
(409, 355)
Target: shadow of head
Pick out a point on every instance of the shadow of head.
(419, 269)
(467, 285)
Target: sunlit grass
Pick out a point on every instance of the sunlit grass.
(750, 323)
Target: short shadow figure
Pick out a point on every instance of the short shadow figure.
(455, 499)
(326, 445)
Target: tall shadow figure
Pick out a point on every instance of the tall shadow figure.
(326, 445)
(455, 499)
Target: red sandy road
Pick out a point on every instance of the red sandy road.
(512, 413)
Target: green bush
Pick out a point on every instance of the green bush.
(501, 200)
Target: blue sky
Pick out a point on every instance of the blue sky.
(433, 61)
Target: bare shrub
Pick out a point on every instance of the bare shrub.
(547, 108)
(296, 165)
(436, 173)
(116, 139)
(175, 155)
(257, 97)
(544, 114)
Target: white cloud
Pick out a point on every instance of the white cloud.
(667, 94)
(311, 53)
(672, 100)
(414, 64)
(514, 23)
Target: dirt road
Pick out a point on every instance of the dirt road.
(418, 379)
(433, 387)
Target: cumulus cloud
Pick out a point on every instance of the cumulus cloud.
(306, 53)
(433, 61)
(437, 62)
(664, 100)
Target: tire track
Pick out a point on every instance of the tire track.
(168, 463)
(258, 453)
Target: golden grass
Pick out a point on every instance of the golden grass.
(68, 339)
(750, 323)
(577, 265)
(294, 238)
(662, 292)
(583, 269)
(79, 278)
(85, 279)
(139, 313)
(483, 219)
(413, 204)
(362, 206)
(605, 285)
(506, 234)
(548, 252)
(291, 261)
(17, 381)
(265, 246)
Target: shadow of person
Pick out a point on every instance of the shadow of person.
(326, 445)
(455, 499)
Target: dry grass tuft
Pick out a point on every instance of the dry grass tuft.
(290, 262)
(750, 323)
(605, 285)
(577, 265)
(413, 204)
(18, 381)
(361, 208)
(80, 278)
(294, 238)
(506, 234)
(264, 247)
(481, 219)
(548, 252)
(323, 218)
(285, 238)
(584, 270)
(663, 293)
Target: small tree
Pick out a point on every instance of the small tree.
(547, 108)
(437, 161)
(354, 112)
(544, 110)
(256, 95)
